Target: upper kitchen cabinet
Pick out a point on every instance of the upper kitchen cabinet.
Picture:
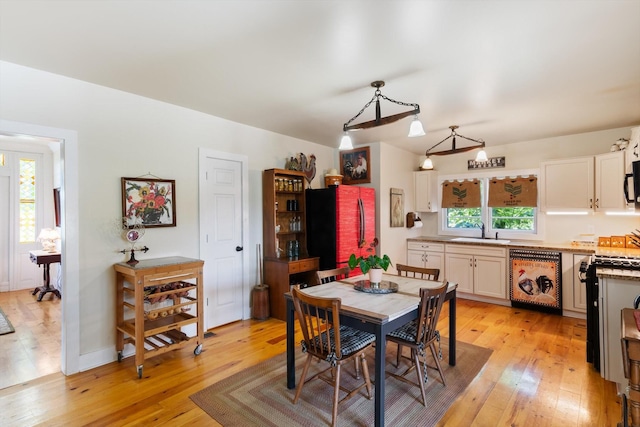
(426, 191)
(583, 183)
(609, 180)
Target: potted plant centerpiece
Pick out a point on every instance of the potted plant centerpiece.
(372, 263)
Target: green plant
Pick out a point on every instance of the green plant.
(370, 261)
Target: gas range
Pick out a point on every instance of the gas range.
(621, 262)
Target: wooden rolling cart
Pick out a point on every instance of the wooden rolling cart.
(156, 298)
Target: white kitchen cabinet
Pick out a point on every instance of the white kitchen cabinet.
(567, 184)
(583, 183)
(609, 179)
(574, 292)
(478, 270)
(426, 255)
(426, 191)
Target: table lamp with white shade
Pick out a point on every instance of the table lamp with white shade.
(48, 237)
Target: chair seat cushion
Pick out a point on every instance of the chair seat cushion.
(351, 341)
(406, 332)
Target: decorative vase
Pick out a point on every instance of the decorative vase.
(151, 216)
(375, 275)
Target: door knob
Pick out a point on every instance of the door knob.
(239, 248)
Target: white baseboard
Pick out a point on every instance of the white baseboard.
(102, 357)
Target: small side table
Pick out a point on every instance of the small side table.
(45, 259)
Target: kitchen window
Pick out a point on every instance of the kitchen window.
(508, 222)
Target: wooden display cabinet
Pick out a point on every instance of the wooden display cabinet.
(284, 220)
(155, 299)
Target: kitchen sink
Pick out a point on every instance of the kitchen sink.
(480, 240)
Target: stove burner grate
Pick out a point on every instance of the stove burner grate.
(619, 262)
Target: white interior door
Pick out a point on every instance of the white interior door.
(4, 232)
(222, 237)
(21, 235)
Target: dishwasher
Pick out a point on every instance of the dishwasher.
(535, 280)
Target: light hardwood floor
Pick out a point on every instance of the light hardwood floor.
(536, 376)
(34, 349)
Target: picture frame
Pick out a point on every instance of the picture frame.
(396, 206)
(150, 202)
(355, 166)
(56, 206)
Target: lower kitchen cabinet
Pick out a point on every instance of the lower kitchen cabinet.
(426, 255)
(574, 292)
(477, 270)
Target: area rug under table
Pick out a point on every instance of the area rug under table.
(259, 396)
(5, 326)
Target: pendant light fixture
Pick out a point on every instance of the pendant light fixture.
(415, 129)
(478, 143)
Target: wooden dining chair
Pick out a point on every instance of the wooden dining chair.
(418, 272)
(420, 334)
(326, 276)
(326, 340)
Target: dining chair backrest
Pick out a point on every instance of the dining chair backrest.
(431, 300)
(326, 276)
(319, 320)
(418, 272)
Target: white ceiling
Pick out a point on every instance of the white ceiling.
(504, 71)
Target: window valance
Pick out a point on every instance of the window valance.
(521, 191)
(461, 194)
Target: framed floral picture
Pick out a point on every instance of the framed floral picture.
(150, 202)
(355, 166)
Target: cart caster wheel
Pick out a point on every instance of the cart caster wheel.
(119, 356)
(198, 349)
(139, 371)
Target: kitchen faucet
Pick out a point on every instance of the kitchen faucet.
(482, 229)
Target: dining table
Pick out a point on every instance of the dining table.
(374, 312)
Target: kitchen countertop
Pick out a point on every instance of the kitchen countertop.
(520, 244)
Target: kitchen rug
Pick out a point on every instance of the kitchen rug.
(5, 326)
(259, 396)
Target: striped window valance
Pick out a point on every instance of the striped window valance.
(461, 194)
(521, 191)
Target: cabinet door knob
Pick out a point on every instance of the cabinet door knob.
(239, 248)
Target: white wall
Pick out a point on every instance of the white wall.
(395, 172)
(124, 135)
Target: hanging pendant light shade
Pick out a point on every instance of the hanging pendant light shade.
(427, 164)
(345, 142)
(481, 156)
(416, 128)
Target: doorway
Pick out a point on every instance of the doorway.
(223, 195)
(69, 231)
